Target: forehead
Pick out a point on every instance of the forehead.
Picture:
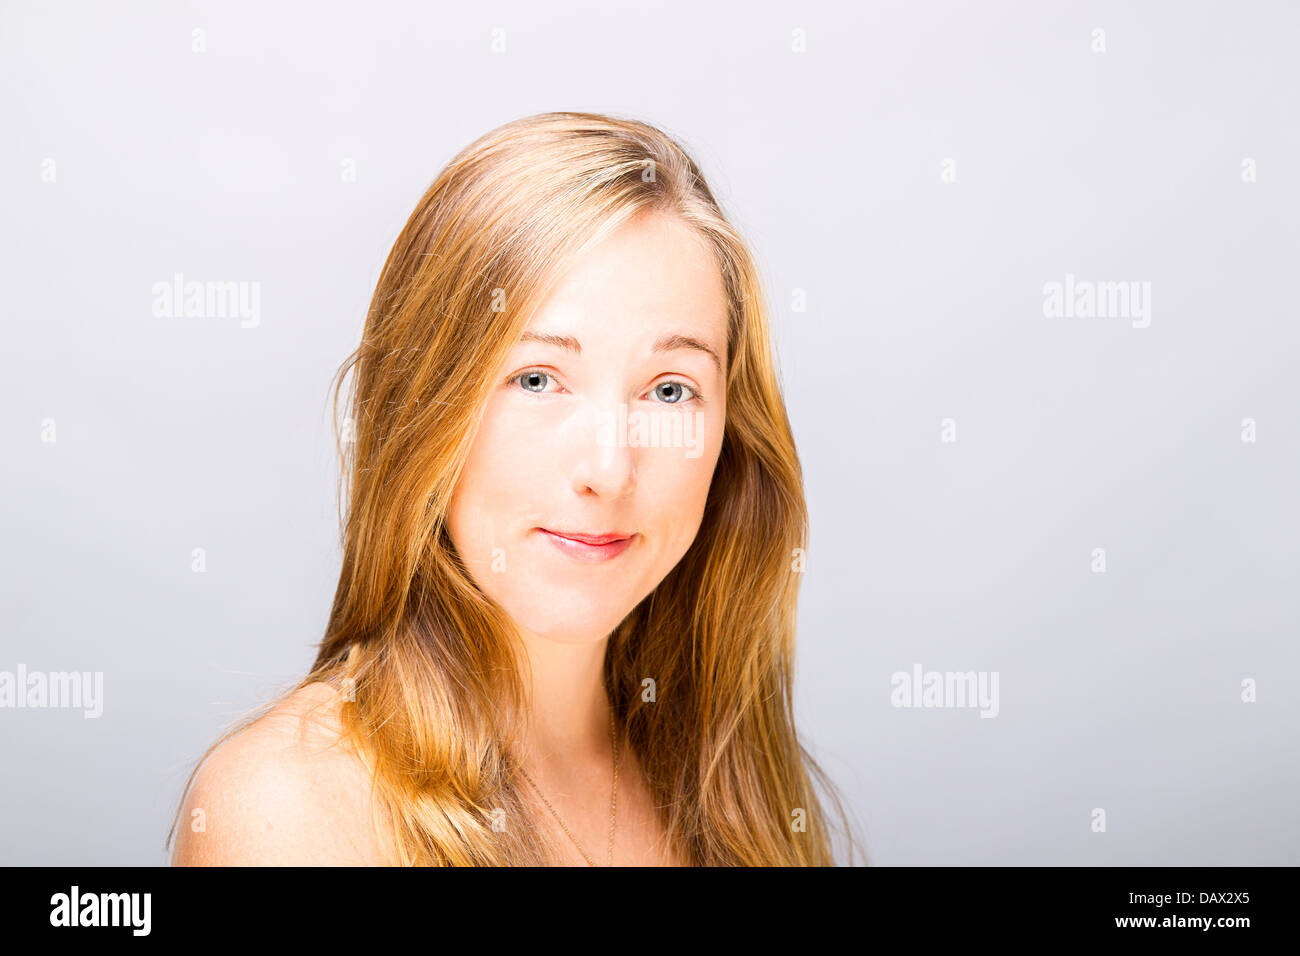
(653, 274)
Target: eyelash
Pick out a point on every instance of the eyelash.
(695, 392)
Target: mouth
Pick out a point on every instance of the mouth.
(589, 547)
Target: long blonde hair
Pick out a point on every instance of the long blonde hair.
(431, 672)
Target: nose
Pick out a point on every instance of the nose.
(604, 462)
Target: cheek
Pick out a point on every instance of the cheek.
(493, 488)
(673, 490)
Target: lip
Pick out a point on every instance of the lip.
(589, 547)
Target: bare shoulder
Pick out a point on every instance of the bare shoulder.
(284, 791)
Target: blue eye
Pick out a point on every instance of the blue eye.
(533, 377)
(673, 398)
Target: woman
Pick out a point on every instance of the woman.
(563, 631)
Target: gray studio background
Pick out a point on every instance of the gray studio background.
(922, 283)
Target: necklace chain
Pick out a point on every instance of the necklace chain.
(613, 800)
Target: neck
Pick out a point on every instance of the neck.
(568, 724)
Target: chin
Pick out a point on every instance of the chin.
(588, 627)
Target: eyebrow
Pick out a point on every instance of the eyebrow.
(668, 343)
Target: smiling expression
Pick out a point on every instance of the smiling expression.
(587, 480)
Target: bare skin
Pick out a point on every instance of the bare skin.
(580, 795)
(284, 792)
(281, 792)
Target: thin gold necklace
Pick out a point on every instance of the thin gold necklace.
(613, 800)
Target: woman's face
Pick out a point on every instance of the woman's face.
(605, 420)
